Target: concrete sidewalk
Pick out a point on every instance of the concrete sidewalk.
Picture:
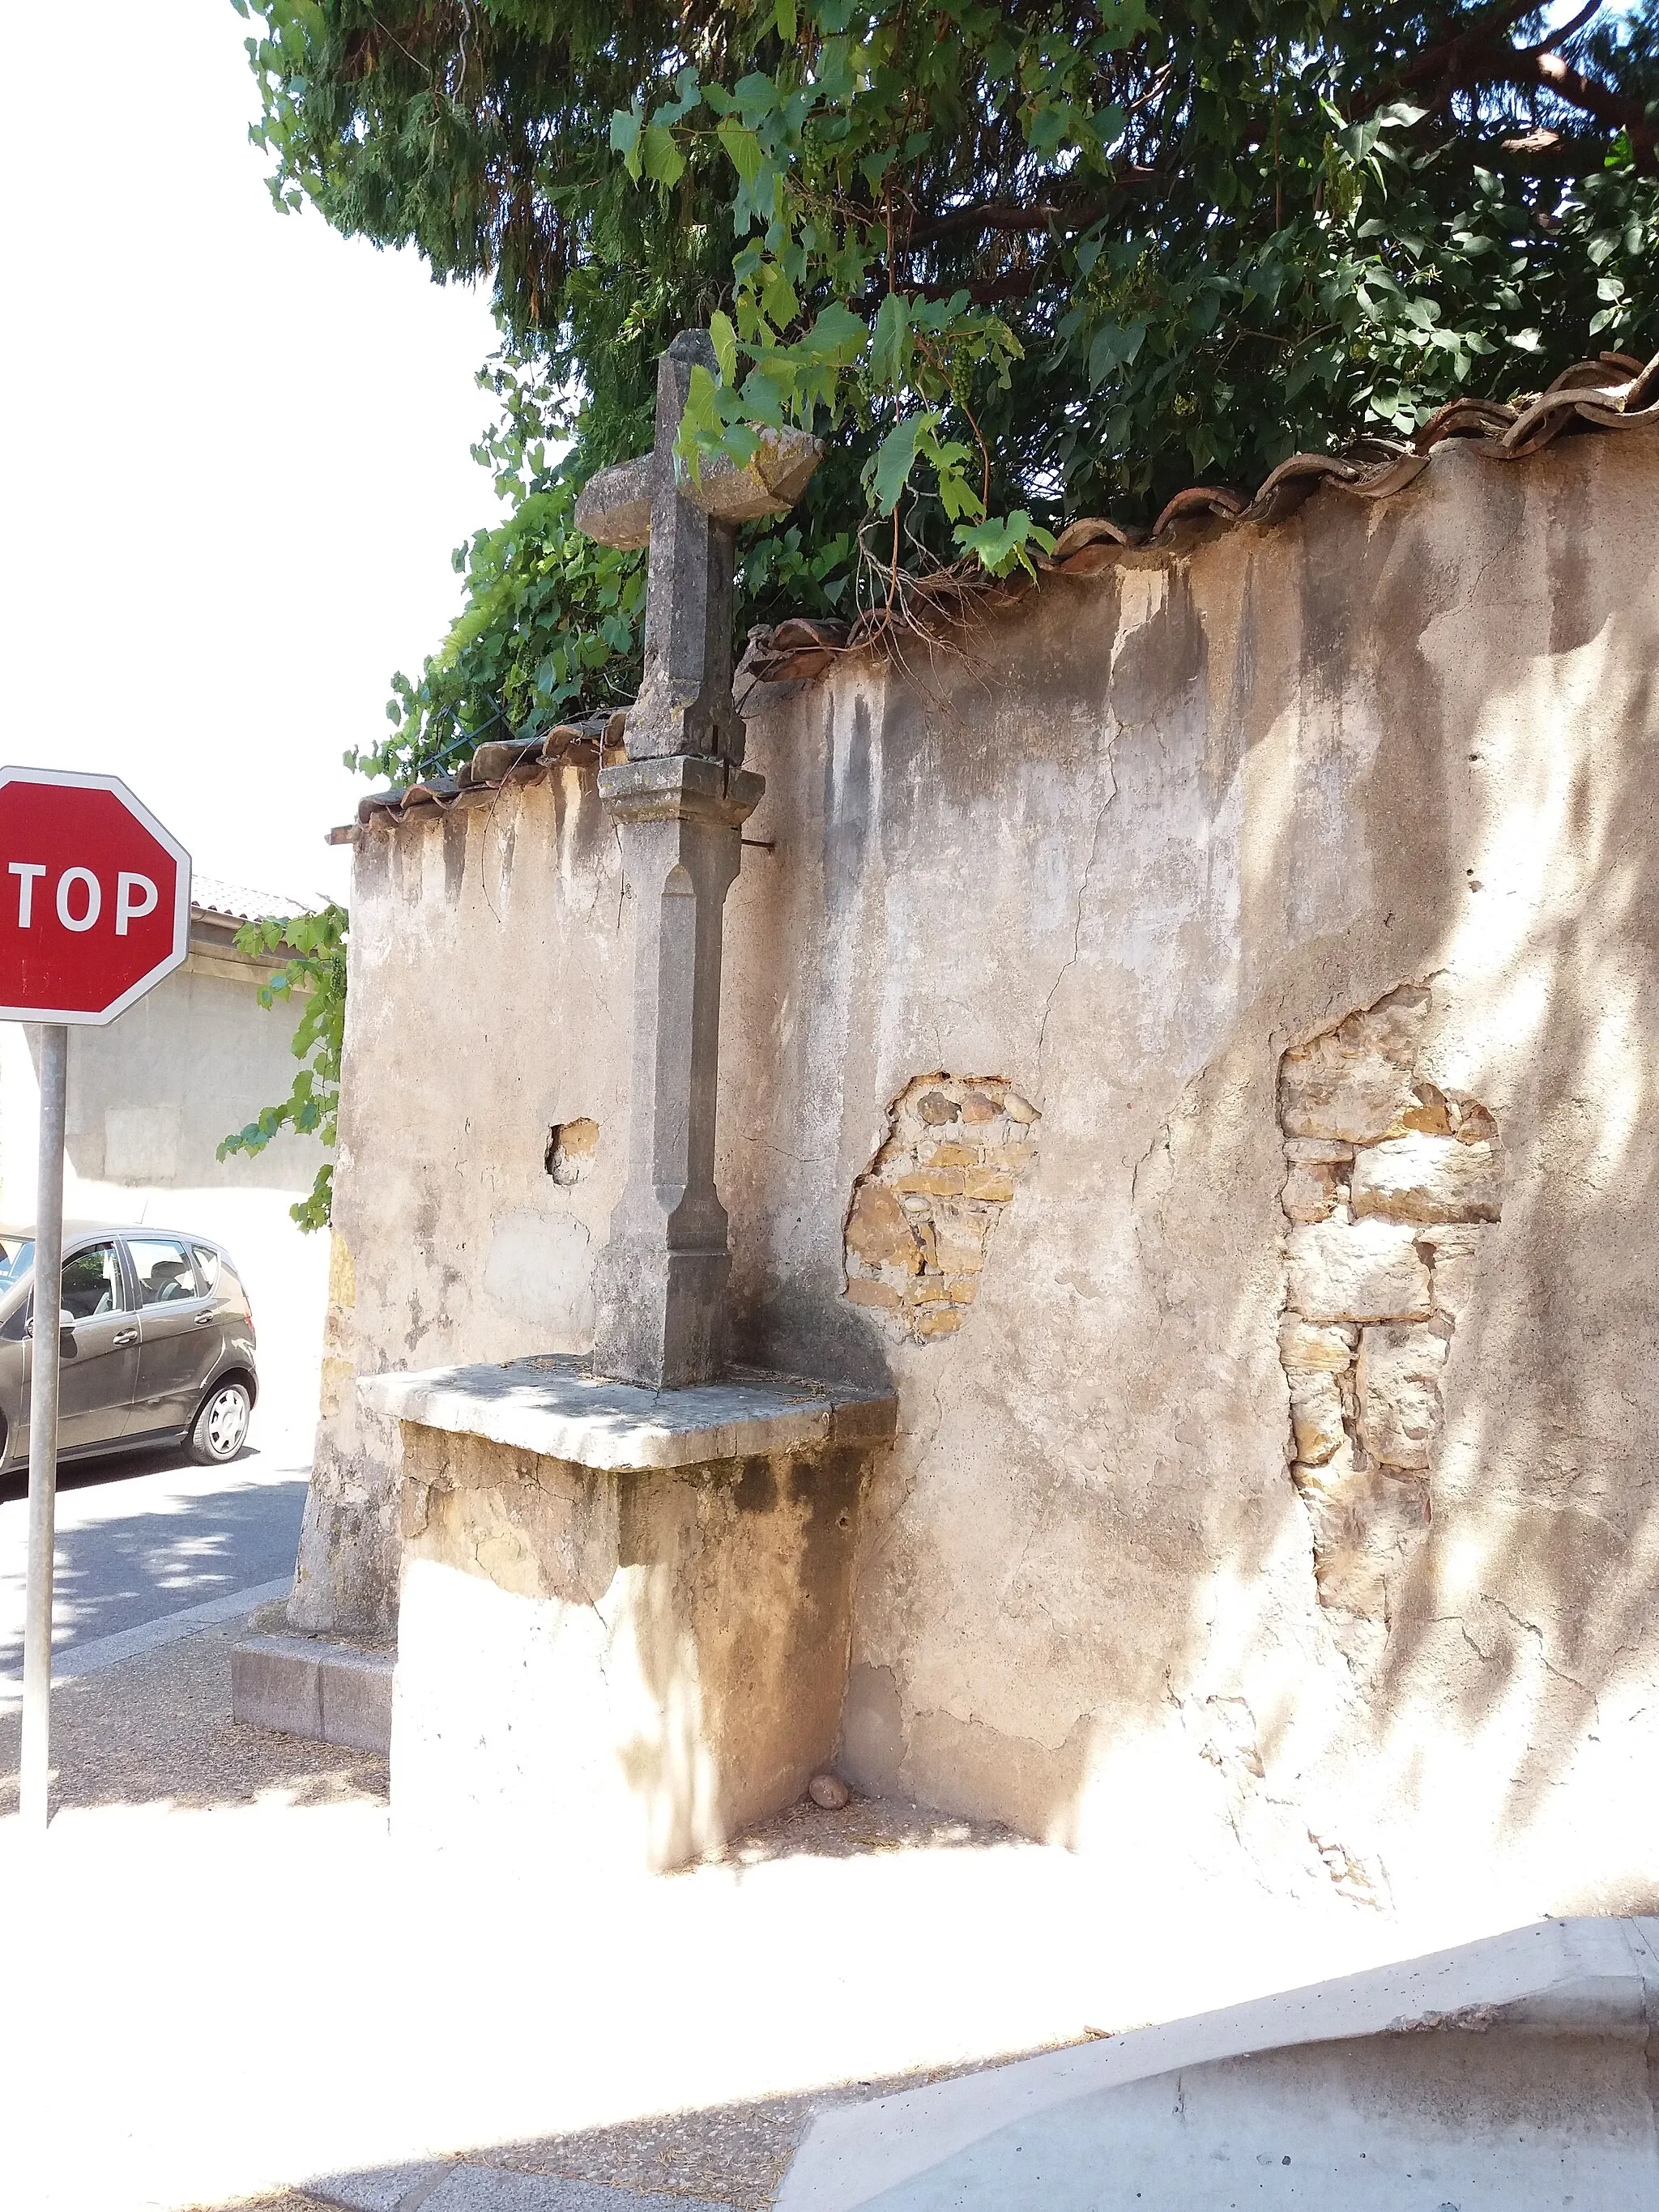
(225, 1977)
(219, 1908)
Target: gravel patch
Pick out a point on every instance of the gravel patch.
(733, 2154)
(286, 2200)
(158, 1729)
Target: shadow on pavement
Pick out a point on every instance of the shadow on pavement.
(128, 1556)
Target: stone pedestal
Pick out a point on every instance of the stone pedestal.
(625, 1617)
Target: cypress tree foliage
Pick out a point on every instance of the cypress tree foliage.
(1022, 262)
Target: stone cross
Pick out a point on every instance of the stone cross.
(680, 799)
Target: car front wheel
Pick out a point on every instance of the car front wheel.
(221, 1425)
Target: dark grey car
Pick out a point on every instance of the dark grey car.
(157, 1344)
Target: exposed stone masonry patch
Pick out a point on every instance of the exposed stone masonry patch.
(920, 1225)
(1389, 1187)
(572, 1148)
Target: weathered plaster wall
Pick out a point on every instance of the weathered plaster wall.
(1135, 840)
(488, 998)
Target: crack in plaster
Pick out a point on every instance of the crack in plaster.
(1038, 1519)
(1067, 965)
(1531, 1628)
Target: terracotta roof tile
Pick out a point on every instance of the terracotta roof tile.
(1613, 392)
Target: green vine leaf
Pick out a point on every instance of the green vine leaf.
(312, 948)
(895, 459)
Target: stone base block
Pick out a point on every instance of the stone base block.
(301, 1686)
(615, 1672)
(625, 1614)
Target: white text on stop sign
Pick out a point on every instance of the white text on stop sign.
(79, 898)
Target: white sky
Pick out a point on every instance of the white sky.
(235, 446)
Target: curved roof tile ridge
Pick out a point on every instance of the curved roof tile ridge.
(502, 761)
(1613, 391)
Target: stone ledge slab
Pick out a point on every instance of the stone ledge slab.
(301, 1686)
(556, 1407)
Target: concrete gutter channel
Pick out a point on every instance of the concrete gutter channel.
(1506, 2075)
(1512, 2075)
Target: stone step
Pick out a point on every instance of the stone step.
(304, 1685)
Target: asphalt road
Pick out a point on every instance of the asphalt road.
(150, 1534)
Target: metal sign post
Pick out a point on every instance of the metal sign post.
(34, 1780)
(95, 910)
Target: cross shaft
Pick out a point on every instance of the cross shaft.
(679, 801)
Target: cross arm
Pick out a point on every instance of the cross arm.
(614, 506)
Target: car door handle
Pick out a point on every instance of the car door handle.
(124, 1336)
(203, 1320)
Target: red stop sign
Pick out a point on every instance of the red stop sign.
(94, 897)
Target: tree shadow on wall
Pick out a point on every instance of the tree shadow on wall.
(1531, 1609)
(121, 1569)
(1490, 847)
(1511, 1716)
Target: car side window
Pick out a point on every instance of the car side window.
(207, 1267)
(92, 1282)
(166, 1275)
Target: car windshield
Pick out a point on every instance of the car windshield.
(16, 1258)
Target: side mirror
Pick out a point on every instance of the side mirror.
(65, 1321)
